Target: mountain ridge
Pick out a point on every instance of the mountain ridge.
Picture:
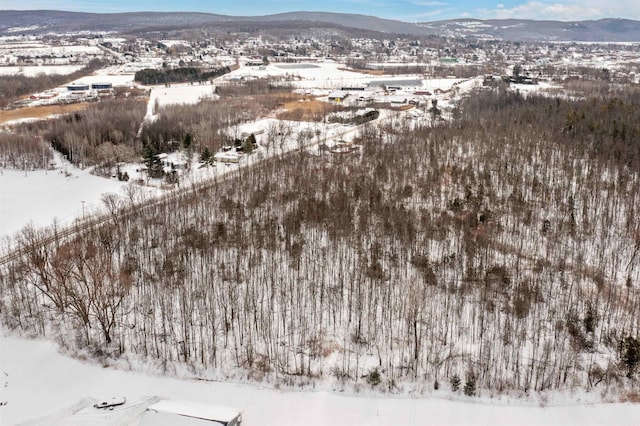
(602, 30)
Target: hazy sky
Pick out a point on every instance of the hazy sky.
(406, 10)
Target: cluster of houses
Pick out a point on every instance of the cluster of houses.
(393, 92)
(45, 50)
(540, 60)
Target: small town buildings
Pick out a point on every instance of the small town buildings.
(78, 87)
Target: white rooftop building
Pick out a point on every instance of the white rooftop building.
(188, 413)
(149, 411)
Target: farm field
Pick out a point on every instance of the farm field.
(33, 71)
(38, 112)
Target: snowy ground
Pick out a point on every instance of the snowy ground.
(40, 197)
(329, 76)
(186, 93)
(37, 381)
(32, 71)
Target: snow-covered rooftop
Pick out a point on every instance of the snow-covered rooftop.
(196, 410)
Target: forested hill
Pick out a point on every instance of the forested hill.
(41, 21)
(496, 253)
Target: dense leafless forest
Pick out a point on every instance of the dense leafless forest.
(23, 151)
(102, 134)
(105, 132)
(498, 250)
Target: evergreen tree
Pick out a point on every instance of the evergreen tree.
(470, 386)
(455, 383)
(152, 161)
(205, 157)
(434, 110)
(517, 70)
(630, 354)
(373, 378)
(249, 143)
(188, 140)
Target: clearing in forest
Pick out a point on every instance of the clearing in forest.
(306, 108)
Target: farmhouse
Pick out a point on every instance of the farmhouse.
(397, 100)
(364, 99)
(338, 96)
(227, 157)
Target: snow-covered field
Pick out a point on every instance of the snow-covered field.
(328, 76)
(33, 71)
(40, 197)
(37, 381)
(12, 50)
(39, 49)
(161, 96)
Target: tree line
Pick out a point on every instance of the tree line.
(178, 75)
(23, 151)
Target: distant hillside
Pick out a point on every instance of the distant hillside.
(363, 22)
(528, 30)
(34, 21)
(38, 21)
